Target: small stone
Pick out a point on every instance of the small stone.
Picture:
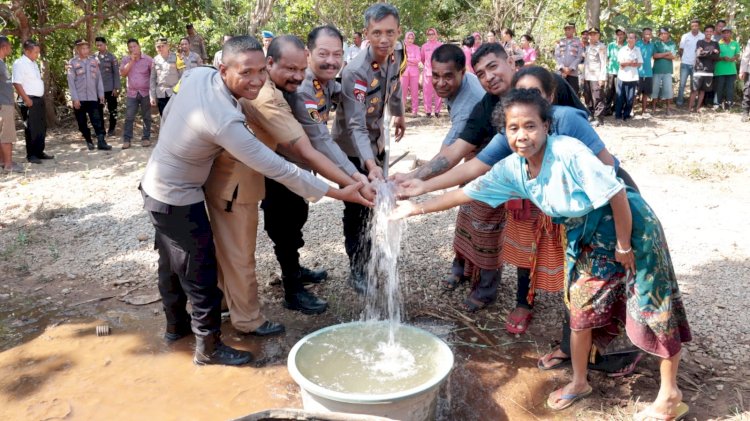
(142, 237)
(4, 296)
(473, 339)
(71, 275)
(66, 291)
(719, 387)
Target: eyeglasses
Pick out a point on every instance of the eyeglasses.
(429, 34)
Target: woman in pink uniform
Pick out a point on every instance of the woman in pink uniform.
(427, 90)
(410, 78)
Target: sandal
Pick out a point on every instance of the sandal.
(562, 361)
(680, 413)
(571, 398)
(628, 369)
(516, 324)
(452, 282)
(471, 305)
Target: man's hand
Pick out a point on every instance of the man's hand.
(153, 102)
(367, 191)
(115, 92)
(351, 194)
(403, 210)
(411, 188)
(400, 177)
(101, 100)
(400, 123)
(376, 173)
(742, 75)
(601, 83)
(77, 105)
(28, 102)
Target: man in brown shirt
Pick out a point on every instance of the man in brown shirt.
(197, 44)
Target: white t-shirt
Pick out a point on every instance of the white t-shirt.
(688, 43)
(26, 73)
(626, 55)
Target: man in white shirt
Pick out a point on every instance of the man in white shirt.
(630, 60)
(353, 49)
(217, 56)
(30, 88)
(688, 44)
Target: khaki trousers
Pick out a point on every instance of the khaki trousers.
(235, 234)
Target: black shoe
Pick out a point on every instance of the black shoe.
(111, 133)
(210, 350)
(358, 281)
(90, 145)
(45, 156)
(34, 160)
(101, 144)
(305, 302)
(310, 276)
(177, 332)
(268, 328)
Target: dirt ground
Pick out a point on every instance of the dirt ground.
(76, 252)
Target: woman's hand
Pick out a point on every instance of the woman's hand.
(626, 258)
(404, 209)
(411, 188)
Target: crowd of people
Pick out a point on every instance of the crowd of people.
(544, 194)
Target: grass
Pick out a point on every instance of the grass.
(704, 171)
(20, 241)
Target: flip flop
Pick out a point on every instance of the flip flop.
(471, 305)
(563, 362)
(680, 413)
(571, 398)
(452, 282)
(511, 325)
(628, 369)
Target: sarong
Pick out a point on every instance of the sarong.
(478, 239)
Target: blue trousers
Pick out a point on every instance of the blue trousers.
(625, 97)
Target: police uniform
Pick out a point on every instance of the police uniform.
(85, 84)
(110, 71)
(164, 76)
(190, 61)
(358, 129)
(569, 53)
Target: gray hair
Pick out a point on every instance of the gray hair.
(239, 44)
(380, 11)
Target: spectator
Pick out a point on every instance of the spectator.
(630, 59)
(514, 51)
(665, 51)
(30, 88)
(477, 42)
(707, 53)
(428, 92)
(710, 97)
(725, 71)
(468, 47)
(267, 38)
(136, 67)
(7, 111)
(354, 48)
(87, 92)
(745, 76)
(595, 76)
(187, 59)
(720, 24)
(165, 73)
(410, 77)
(612, 67)
(491, 36)
(687, 57)
(217, 57)
(585, 43)
(529, 52)
(568, 54)
(110, 69)
(197, 44)
(646, 71)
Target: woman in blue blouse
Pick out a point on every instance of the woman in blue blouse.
(618, 269)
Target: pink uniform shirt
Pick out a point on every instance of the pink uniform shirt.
(139, 77)
(427, 49)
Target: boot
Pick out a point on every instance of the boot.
(210, 350)
(89, 144)
(101, 144)
(313, 276)
(296, 297)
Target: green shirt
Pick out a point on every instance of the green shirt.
(663, 65)
(730, 49)
(613, 66)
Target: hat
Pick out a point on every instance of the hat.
(585, 31)
(727, 28)
(162, 41)
(620, 29)
(267, 34)
(593, 30)
(570, 25)
(80, 42)
(663, 30)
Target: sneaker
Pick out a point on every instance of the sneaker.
(126, 145)
(14, 168)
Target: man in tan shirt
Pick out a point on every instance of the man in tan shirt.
(233, 191)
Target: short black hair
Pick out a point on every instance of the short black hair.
(274, 49)
(329, 30)
(380, 11)
(358, 33)
(508, 31)
(646, 29)
(709, 26)
(4, 40)
(186, 39)
(721, 21)
(528, 37)
(132, 40)
(29, 45)
(447, 53)
(188, 26)
(100, 39)
(468, 41)
(521, 97)
(239, 44)
(492, 31)
(698, 21)
(541, 74)
(486, 49)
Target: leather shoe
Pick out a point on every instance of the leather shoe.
(90, 145)
(310, 276)
(45, 156)
(305, 302)
(177, 332)
(34, 160)
(211, 350)
(358, 281)
(268, 328)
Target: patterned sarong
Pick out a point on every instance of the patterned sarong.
(478, 239)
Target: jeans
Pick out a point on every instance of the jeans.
(686, 70)
(625, 97)
(132, 105)
(725, 89)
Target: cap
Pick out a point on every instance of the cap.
(594, 30)
(663, 30)
(80, 42)
(162, 41)
(727, 28)
(570, 25)
(585, 31)
(620, 29)
(267, 34)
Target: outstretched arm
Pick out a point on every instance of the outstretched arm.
(437, 204)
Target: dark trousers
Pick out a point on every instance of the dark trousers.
(573, 81)
(162, 104)
(594, 95)
(35, 126)
(90, 108)
(610, 93)
(111, 101)
(725, 89)
(356, 229)
(187, 267)
(284, 216)
(746, 94)
(625, 98)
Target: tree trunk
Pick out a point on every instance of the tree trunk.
(261, 15)
(593, 8)
(537, 13)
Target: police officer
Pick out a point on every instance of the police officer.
(197, 43)
(87, 93)
(164, 75)
(369, 82)
(568, 55)
(110, 70)
(188, 58)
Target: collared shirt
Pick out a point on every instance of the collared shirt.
(626, 55)
(707, 52)
(110, 71)
(193, 134)
(27, 74)
(85, 79)
(413, 55)
(727, 49)
(139, 76)
(366, 87)
(460, 106)
(612, 64)
(664, 65)
(190, 60)
(198, 46)
(351, 52)
(688, 45)
(595, 62)
(568, 53)
(745, 62)
(6, 87)
(311, 106)
(217, 59)
(647, 52)
(427, 49)
(164, 76)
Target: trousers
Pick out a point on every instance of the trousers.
(610, 93)
(35, 126)
(132, 105)
(111, 101)
(356, 222)
(161, 103)
(625, 98)
(594, 95)
(725, 89)
(428, 93)
(746, 94)
(410, 85)
(90, 109)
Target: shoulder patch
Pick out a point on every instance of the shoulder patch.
(312, 110)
